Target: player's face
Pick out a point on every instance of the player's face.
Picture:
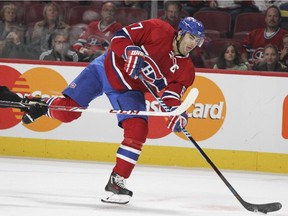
(188, 43)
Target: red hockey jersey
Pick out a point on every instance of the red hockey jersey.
(96, 39)
(155, 38)
(255, 42)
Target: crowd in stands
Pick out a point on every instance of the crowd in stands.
(79, 31)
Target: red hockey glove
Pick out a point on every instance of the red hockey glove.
(177, 123)
(37, 109)
(134, 61)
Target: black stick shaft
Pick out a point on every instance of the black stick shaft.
(264, 208)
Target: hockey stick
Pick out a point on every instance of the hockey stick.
(264, 208)
(190, 99)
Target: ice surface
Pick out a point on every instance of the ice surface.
(30, 187)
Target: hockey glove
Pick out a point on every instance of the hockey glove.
(37, 109)
(177, 123)
(134, 61)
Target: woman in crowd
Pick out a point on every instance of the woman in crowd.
(270, 61)
(10, 29)
(43, 29)
(230, 58)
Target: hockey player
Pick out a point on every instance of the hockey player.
(151, 49)
(35, 111)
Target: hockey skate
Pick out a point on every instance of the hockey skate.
(117, 192)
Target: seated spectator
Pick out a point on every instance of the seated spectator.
(284, 52)
(253, 44)
(172, 13)
(230, 58)
(90, 16)
(10, 29)
(270, 61)
(44, 28)
(59, 48)
(96, 38)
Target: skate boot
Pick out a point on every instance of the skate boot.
(117, 192)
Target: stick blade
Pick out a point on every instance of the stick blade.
(264, 208)
(189, 100)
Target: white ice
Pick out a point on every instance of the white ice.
(30, 187)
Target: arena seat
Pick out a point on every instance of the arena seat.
(246, 22)
(75, 14)
(215, 20)
(127, 16)
(161, 12)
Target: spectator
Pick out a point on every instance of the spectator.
(172, 13)
(230, 58)
(90, 16)
(59, 48)
(253, 44)
(270, 61)
(10, 29)
(44, 28)
(96, 38)
(284, 52)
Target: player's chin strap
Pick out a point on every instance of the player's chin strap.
(264, 208)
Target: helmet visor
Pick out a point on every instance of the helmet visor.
(199, 41)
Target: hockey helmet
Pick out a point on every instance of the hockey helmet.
(194, 27)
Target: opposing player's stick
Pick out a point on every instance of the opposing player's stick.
(264, 208)
(190, 99)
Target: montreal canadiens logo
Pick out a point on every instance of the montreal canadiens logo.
(151, 70)
(258, 53)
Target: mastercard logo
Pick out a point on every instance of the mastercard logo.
(39, 81)
(208, 113)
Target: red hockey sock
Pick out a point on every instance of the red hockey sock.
(64, 116)
(135, 133)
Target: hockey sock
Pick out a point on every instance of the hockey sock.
(64, 116)
(135, 133)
